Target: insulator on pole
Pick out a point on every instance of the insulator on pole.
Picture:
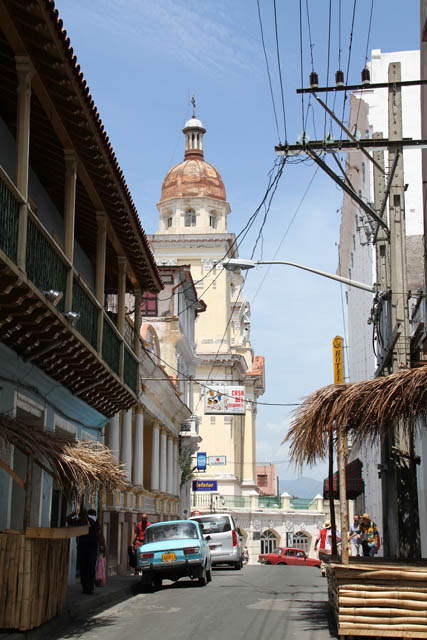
(339, 78)
(366, 76)
(314, 80)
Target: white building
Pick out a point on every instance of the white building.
(357, 259)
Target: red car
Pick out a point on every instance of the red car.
(287, 555)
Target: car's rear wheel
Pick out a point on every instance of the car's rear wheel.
(284, 563)
(238, 565)
(203, 580)
(157, 582)
(209, 574)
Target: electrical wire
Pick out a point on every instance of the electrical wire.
(280, 71)
(226, 395)
(366, 61)
(286, 233)
(329, 57)
(309, 36)
(348, 62)
(301, 65)
(268, 71)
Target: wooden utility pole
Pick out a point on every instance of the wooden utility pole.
(341, 452)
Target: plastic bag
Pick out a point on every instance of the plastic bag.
(100, 574)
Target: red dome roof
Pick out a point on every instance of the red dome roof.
(194, 177)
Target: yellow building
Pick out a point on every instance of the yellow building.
(193, 231)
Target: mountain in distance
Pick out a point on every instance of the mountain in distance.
(301, 487)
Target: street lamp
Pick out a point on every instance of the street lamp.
(237, 264)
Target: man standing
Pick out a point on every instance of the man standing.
(355, 542)
(368, 535)
(88, 547)
(139, 535)
(323, 538)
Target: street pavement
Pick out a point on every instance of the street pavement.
(257, 603)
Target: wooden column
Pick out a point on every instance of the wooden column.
(24, 73)
(69, 220)
(121, 307)
(101, 245)
(342, 462)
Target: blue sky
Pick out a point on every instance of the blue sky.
(143, 59)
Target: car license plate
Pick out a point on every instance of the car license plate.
(168, 557)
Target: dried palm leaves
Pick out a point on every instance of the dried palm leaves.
(365, 409)
(77, 466)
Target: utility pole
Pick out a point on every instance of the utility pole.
(390, 309)
(400, 504)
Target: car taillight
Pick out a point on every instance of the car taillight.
(191, 550)
(234, 538)
(148, 555)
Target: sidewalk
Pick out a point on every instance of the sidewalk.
(81, 606)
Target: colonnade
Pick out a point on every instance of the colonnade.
(129, 449)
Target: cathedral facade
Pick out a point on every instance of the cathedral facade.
(193, 231)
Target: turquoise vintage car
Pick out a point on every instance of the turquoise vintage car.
(172, 550)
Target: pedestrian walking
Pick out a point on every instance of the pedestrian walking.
(355, 542)
(88, 547)
(368, 535)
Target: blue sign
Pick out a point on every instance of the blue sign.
(201, 461)
(205, 485)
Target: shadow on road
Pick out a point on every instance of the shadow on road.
(316, 616)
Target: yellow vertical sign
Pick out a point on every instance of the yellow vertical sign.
(338, 360)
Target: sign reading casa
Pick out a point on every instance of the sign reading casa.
(225, 400)
(205, 485)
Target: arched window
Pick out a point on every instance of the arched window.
(190, 218)
(213, 219)
(301, 541)
(268, 541)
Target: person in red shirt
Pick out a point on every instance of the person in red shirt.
(139, 534)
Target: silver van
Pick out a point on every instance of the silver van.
(224, 540)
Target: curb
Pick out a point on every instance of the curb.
(84, 610)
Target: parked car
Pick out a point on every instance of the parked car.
(288, 555)
(172, 550)
(224, 542)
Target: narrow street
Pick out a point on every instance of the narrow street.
(257, 603)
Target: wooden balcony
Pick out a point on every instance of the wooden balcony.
(104, 372)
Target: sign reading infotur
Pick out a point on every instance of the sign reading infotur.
(217, 460)
(205, 485)
(225, 400)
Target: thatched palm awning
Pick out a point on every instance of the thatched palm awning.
(367, 409)
(77, 466)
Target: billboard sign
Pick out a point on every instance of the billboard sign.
(205, 485)
(217, 460)
(201, 461)
(225, 400)
(338, 360)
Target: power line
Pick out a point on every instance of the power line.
(301, 64)
(226, 395)
(268, 71)
(309, 36)
(329, 56)
(286, 233)
(348, 62)
(280, 71)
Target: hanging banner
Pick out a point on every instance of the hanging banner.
(338, 360)
(201, 461)
(217, 460)
(225, 400)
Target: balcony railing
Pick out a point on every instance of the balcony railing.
(87, 324)
(111, 342)
(47, 268)
(9, 219)
(43, 265)
(269, 502)
(130, 372)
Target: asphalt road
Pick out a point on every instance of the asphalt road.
(256, 603)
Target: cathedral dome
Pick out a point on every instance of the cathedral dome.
(194, 177)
